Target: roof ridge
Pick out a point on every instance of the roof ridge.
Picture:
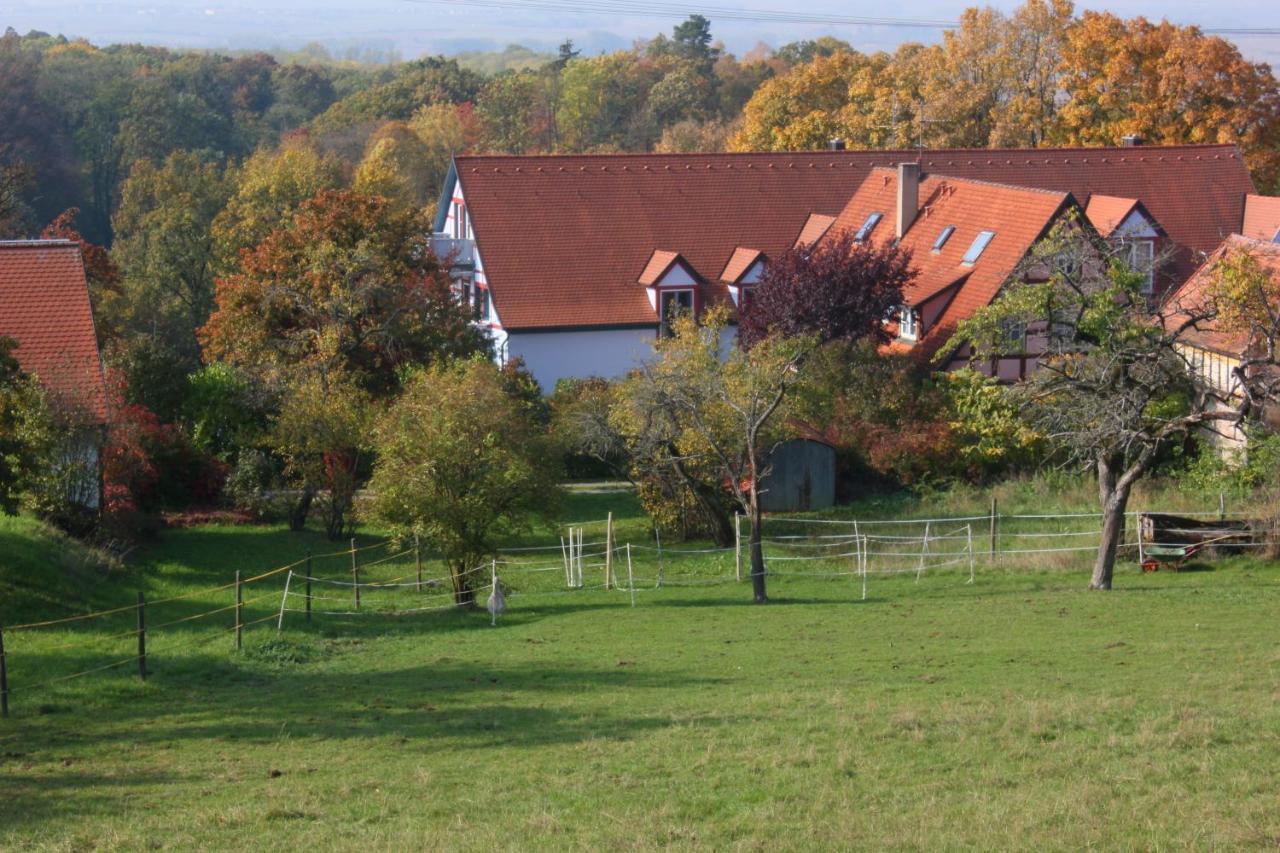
(821, 152)
(1059, 194)
(37, 244)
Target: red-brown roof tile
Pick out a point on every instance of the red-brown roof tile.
(659, 262)
(1261, 217)
(44, 306)
(741, 261)
(561, 237)
(1107, 212)
(814, 227)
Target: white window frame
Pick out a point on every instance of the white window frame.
(908, 323)
(1146, 264)
(664, 328)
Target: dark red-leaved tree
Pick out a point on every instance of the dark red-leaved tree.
(838, 290)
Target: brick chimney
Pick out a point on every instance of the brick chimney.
(908, 196)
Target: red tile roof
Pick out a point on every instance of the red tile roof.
(741, 261)
(562, 237)
(44, 306)
(1106, 213)
(659, 262)
(1018, 216)
(1195, 295)
(814, 227)
(1261, 217)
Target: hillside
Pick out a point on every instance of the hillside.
(46, 574)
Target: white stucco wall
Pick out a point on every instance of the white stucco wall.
(552, 356)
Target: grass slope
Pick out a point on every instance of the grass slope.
(1020, 711)
(47, 574)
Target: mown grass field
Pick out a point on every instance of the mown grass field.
(1019, 711)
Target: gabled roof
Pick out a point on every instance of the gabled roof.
(1192, 298)
(659, 262)
(562, 236)
(814, 227)
(1017, 215)
(1261, 217)
(739, 263)
(1106, 213)
(44, 306)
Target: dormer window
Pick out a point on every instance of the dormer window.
(673, 303)
(867, 227)
(1141, 256)
(978, 246)
(908, 323)
(943, 238)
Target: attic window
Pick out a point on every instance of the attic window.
(943, 238)
(980, 243)
(908, 324)
(865, 231)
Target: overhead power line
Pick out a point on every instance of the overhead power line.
(654, 9)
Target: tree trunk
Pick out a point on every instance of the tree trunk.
(464, 595)
(1114, 501)
(298, 512)
(757, 552)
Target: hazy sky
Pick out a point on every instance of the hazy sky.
(416, 27)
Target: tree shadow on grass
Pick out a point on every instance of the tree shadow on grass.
(34, 796)
(442, 705)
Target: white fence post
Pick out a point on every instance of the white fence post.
(924, 550)
(737, 545)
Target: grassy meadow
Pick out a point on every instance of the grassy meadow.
(1016, 711)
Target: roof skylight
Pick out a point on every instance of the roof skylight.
(980, 243)
(865, 231)
(943, 238)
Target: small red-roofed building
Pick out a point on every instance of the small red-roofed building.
(45, 308)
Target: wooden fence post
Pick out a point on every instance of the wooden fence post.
(239, 611)
(417, 559)
(737, 545)
(4, 679)
(355, 573)
(1222, 506)
(142, 636)
(308, 605)
(991, 553)
(608, 552)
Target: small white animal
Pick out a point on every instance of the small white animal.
(497, 601)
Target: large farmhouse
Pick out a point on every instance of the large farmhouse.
(575, 262)
(44, 307)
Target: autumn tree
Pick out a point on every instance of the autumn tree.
(397, 166)
(1168, 84)
(1113, 388)
(349, 284)
(321, 433)
(840, 290)
(267, 189)
(461, 463)
(336, 306)
(722, 411)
